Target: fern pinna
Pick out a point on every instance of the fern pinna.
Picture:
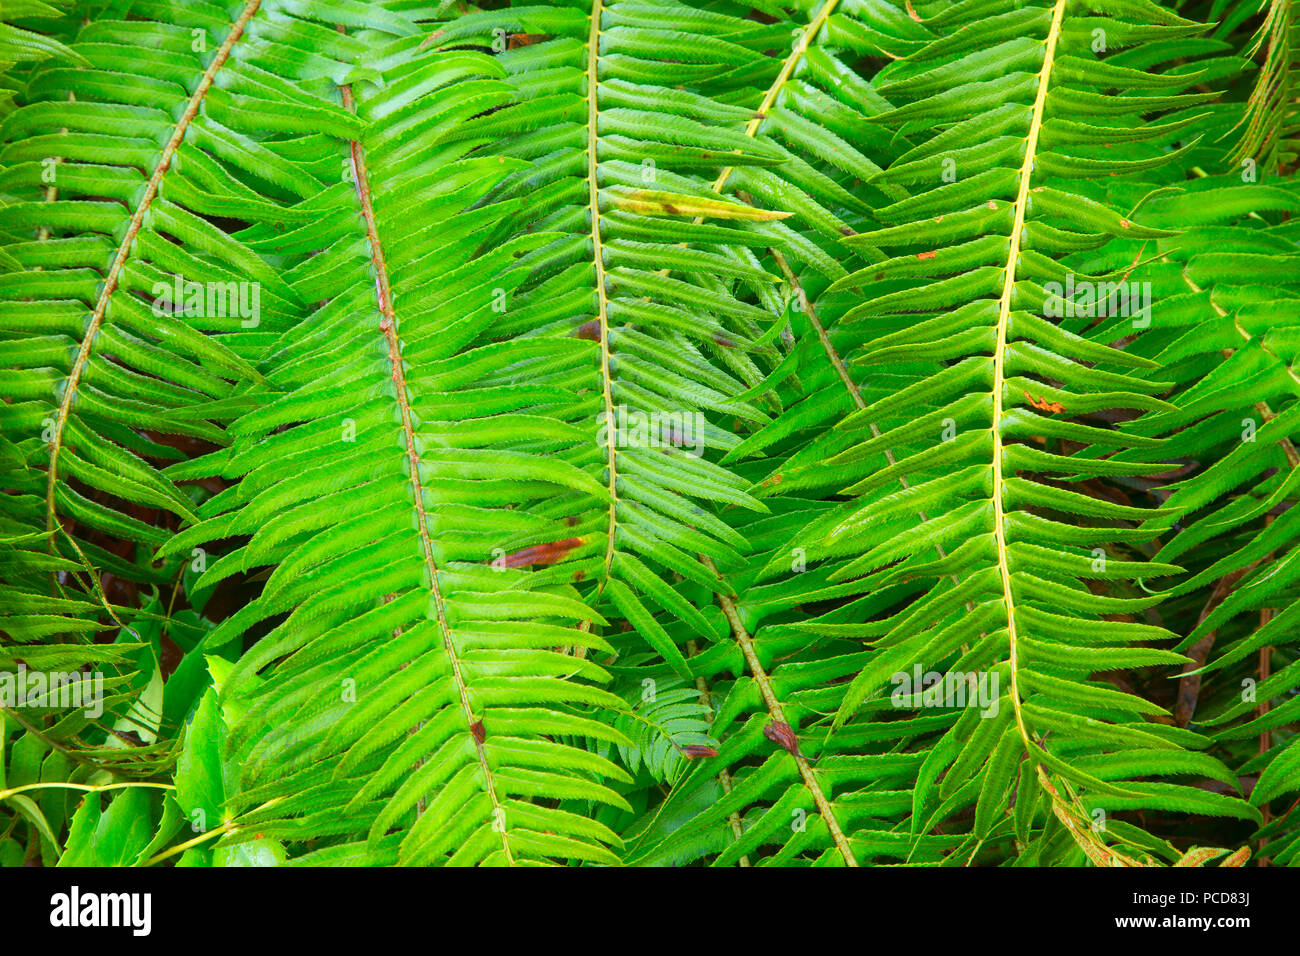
(651, 433)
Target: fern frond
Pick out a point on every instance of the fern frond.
(1269, 124)
(113, 161)
(444, 686)
(1235, 411)
(965, 300)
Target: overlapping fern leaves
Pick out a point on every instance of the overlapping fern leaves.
(637, 391)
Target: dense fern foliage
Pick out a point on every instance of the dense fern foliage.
(649, 432)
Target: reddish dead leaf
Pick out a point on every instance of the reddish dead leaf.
(477, 730)
(170, 657)
(722, 340)
(525, 39)
(692, 751)
(548, 553)
(430, 38)
(783, 736)
(927, 255)
(590, 330)
(1043, 405)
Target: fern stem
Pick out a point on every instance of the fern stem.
(229, 826)
(602, 298)
(724, 778)
(854, 392)
(13, 791)
(787, 70)
(778, 714)
(999, 369)
(1064, 809)
(217, 831)
(832, 354)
